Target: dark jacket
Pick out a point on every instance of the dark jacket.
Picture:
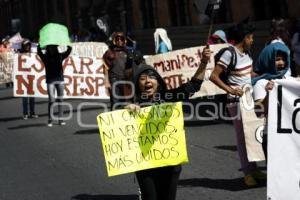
(181, 93)
(53, 64)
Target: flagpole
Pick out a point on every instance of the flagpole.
(216, 6)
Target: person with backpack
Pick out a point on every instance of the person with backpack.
(236, 63)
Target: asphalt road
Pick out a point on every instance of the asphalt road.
(66, 162)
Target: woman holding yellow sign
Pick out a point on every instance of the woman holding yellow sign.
(150, 88)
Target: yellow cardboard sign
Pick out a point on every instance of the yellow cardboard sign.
(151, 137)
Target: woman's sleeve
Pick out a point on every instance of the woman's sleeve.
(185, 91)
(40, 53)
(67, 52)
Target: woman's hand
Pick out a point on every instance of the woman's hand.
(270, 85)
(206, 54)
(236, 91)
(133, 107)
(107, 88)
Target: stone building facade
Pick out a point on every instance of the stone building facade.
(80, 16)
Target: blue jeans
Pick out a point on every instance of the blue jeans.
(28, 102)
(51, 87)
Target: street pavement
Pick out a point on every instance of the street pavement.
(67, 163)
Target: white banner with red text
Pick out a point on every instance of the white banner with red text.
(6, 67)
(177, 67)
(83, 77)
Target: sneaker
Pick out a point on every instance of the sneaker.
(25, 117)
(61, 122)
(34, 116)
(50, 123)
(259, 175)
(250, 181)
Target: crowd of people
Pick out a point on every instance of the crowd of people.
(125, 67)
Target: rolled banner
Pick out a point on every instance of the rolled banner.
(54, 34)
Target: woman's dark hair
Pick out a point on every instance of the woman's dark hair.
(279, 29)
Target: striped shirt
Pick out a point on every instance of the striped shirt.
(241, 74)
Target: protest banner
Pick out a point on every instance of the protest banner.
(152, 137)
(176, 67)
(284, 141)
(88, 49)
(253, 126)
(83, 77)
(6, 67)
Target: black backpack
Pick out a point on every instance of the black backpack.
(232, 64)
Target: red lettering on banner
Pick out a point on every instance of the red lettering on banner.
(90, 90)
(99, 69)
(39, 85)
(68, 82)
(177, 64)
(159, 64)
(99, 83)
(174, 81)
(28, 83)
(87, 62)
(22, 59)
(70, 62)
(91, 87)
(76, 81)
(41, 64)
(198, 54)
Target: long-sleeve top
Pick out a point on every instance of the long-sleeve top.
(53, 64)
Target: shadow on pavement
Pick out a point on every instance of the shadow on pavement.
(6, 98)
(227, 148)
(104, 197)
(7, 119)
(89, 131)
(27, 126)
(40, 102)
(236, 184)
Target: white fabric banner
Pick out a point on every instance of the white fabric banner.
(284, 141)
(84, 73)
(83, 77)
(88, 49)
(253, 126)
(6, 67)
(176, 67)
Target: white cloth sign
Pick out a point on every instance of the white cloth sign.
(6, 67)
(284, 141)
(176, 67)
(83, 77)
(88, 49)
(253, 126)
